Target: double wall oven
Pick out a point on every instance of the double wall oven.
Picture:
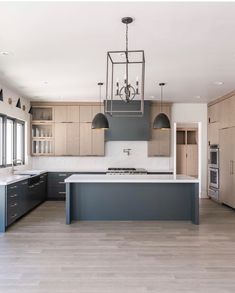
(213, 172)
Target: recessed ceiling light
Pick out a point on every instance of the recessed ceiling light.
(218, 83)
(4, 53)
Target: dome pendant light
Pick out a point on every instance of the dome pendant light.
(161, 121)
(100, 121)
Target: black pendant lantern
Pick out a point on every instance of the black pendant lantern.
(100, 121)
(161, 121)
(1, 95)
(18, 104)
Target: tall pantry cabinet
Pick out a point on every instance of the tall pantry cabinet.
(227, 159)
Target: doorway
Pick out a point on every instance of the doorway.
(187, 150)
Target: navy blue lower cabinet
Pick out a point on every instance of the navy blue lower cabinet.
(132, 201)
(19, 198)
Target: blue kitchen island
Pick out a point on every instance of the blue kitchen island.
(132, 197)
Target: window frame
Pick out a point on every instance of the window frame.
(4, 140)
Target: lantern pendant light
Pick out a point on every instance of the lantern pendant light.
(100, 121)
(161, 121)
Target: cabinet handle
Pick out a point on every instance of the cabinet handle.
(232, 168)
(62, 175)
(61, 182)
(13, 187)
(24, 183)
(62, 192)
(14, 216)
(13, 195)
(36, 184)
(31, 186)
(14, 205)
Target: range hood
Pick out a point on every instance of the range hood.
(129, 128)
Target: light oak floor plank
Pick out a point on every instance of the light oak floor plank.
(39, 253)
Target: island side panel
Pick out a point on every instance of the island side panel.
(131, 201)
(68, 203)
(195, 203)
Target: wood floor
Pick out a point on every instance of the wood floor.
(41, 254)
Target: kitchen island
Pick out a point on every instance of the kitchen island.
(132, 197)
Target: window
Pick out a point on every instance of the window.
(20, 141)
(9, 141)
(12, 137)
(1, 141)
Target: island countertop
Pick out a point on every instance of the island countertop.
(101, 178)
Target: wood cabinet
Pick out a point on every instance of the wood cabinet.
(66, 114)
(69, 131)
(187, 152)
(213, 113)
(91, 141)
(227, 171)
(60, 139)
(67, 139)
(213, 133)
(160, 143)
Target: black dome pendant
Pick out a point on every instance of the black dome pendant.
(161, 121)
(100, 121)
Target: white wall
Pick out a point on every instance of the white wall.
(114, 157)
(186, 113)
(12, 111)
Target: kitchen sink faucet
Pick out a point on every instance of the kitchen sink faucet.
(13, 162)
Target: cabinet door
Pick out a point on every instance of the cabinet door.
(85, 139)
(181, 160)
(60, 139)
(213, 133)
(73, 114)
(226, 157)
(213, 113)
(97, 142)
(86, 113)
(73, 139)
(60, 113)
(192, 160)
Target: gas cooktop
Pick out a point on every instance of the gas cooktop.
(126, 171)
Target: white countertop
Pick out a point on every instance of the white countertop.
(77, 178)
(18, 176)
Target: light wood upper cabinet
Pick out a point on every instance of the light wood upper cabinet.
(66, 114)
(97, 142)
(60, 139)
(85, 139)
(213, 133)
(160, 143)
(73, 114)
(60, 113)
(73, 139)
(213, 113)
(86, 114)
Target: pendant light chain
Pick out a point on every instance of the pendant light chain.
(127, 57)
(161, 100)
(100, 98)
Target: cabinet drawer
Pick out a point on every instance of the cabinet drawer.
(12, 215)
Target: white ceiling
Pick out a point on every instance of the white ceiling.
(188, 45)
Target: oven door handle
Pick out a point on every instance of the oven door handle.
(231, 167)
